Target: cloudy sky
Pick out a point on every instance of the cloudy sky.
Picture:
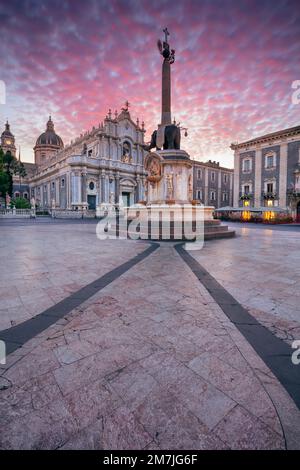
(235, 64)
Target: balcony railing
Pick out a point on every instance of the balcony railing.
(293, 192)
(246, 196)
(269, 195)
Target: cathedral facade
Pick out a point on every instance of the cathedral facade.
(103, 166)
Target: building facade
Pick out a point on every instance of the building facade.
(212, 184)
(267, 171)
(102, 166)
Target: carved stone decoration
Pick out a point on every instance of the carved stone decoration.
(153, 167)
(126, 159)
(190, 189)
(170, 186)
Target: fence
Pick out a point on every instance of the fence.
(17, 213)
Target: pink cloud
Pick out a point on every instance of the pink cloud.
(235, 62)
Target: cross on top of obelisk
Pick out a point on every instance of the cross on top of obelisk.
(166, 34)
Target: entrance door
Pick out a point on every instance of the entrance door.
(126, 199)
(91, 202)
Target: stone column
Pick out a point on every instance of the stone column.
(236, 186)
(106, 190)
(166, 93)
(219, 200)
(83, 187)
(69, 199)
(76, 188)
(57, 192)
(142, 189)
(102, 186)
(231, 190)
(137, 190)
(205, 186)
(117, 186)
(257, 179)
(48, 194)
(283, 174)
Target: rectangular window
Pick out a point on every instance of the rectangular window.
(199, 174)
(225, 178)
(212, 195)
(90, 152)
(199, 194)
(246, 189)
(225, 197)
(270, 161)
(247, 165)
(213, 176)
(269, 187)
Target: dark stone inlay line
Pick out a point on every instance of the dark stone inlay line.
(18, 335)
(273, 351)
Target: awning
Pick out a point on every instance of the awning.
(252, 209)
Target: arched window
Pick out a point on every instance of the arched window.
(92, 185)
(25, 195)
(17, 194)
(126, 148)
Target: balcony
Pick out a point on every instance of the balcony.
(293, 193)
(269, 195)
(245, 196)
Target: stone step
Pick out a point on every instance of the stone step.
(214, 232)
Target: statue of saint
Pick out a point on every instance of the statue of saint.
(170, 186)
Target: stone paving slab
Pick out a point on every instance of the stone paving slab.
(149, 362)
(46, 263)
(260, 269)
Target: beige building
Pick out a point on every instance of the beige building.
(267, 171)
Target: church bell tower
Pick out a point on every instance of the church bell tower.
(8, 140)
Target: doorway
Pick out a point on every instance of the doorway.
(126, 199)
(91, 202)
(298, 212)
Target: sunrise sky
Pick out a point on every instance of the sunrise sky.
(235, 64)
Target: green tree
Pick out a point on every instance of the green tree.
(4, 178)
(9, 166)
(20, 203)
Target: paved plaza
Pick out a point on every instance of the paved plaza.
(120, 344)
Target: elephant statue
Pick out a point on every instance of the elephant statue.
(171, 138)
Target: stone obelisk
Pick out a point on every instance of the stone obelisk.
(166, 79)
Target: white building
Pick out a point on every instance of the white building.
(105, 165)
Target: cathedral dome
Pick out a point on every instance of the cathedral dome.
(49, 137)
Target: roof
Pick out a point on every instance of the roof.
(267, 137)
(211, 164)
(49, 137)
